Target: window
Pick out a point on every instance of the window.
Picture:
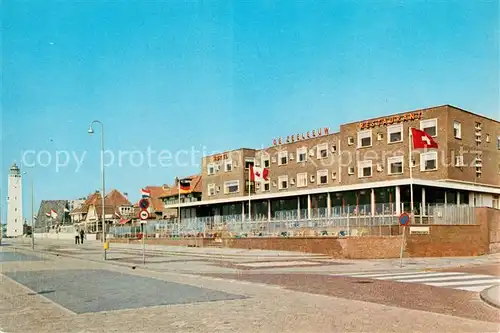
(395, 133)
(364, 169)
(496, 202)
(266, 187)
(350, 140)
(322, 176)
(428, 161)
(232, 186)
(380, 136)
(350, 170)
(487, 138)
(395, 165)
(211, 189)
(364, 139)
(498, 142)
(334, 148)
(283, 182)
(429, 126)
(322, 150)
(282, 158)
(459, 161)
(302, 179)
(302, 154)
(228, 166)
(211, 169)
(265, 161)
(249, 161)
(457, 129)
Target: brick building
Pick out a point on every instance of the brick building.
(361, 169)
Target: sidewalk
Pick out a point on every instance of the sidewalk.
(491, 296)
(324, 265)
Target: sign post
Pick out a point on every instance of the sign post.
(404, 220)
(143, 215)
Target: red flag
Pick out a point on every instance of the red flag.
(422, 140)
(259, 174)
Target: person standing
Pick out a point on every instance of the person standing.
(77, 236)
(82, 235)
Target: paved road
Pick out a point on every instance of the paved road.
(73, 290)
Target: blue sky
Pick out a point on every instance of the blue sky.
(172, 75)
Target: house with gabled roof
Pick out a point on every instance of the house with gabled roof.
(51, 215)
(117, 207)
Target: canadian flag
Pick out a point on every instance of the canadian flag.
(422, 140)
(258, 174)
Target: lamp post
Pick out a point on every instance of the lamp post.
(32, 212)
(91, 131)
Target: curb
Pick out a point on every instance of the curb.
(487, 298)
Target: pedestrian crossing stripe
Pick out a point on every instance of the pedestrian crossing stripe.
(453, 280)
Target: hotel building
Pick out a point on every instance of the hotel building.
(364, 168)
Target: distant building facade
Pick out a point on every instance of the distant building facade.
(364, 168)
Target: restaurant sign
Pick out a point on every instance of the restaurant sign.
(220, 157)
(391, 120)
(299, 137)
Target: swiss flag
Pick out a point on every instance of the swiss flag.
(259, 174)
(422, 140)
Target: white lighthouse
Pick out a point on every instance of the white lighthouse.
(15, 219)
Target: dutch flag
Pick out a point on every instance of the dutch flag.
(145, 193)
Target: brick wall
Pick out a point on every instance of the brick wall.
(442, 241)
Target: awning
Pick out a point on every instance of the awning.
(125, 221)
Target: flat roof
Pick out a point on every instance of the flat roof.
(484, 188)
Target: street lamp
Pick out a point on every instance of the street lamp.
(32, 212)
(91, 131)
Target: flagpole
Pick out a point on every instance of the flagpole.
(411, 170)
(249, 192)
(179, 207)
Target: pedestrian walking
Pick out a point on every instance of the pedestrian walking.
(82, 235)
(77, 236)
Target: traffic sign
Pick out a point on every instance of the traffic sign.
(404, 219)
(144, 204)
(144, 215)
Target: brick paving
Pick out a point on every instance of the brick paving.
(273, 302)
(480, 269)
(418, 297)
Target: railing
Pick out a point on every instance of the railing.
(347, 220)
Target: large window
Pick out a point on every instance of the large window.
(322, 150)
(249, 161)
(282, 158)
(364, 138)
(301, 154)
(395, 133)
(428, 161)
(211, 189)
(395, 165)
(302, 179)
(322, 176)
(457, 129)
(364, 169)
(228, 165)
(232, 186)
(265, 161)
(429, 126)
(283, 182)
(211, 169)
